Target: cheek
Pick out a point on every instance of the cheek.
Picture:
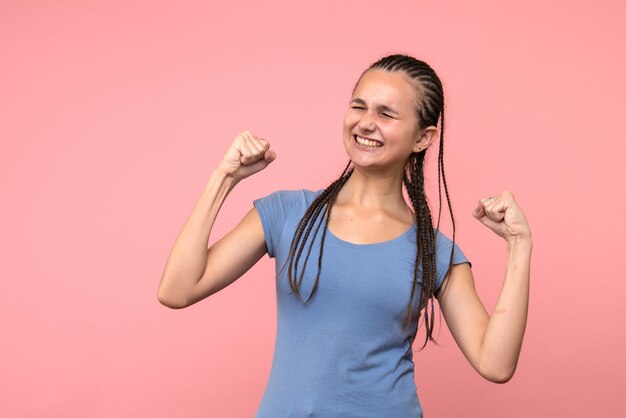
(346, 123)
(350, 119)
(348, 127)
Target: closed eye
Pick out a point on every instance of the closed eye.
(387, 115)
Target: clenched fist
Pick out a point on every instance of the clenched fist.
(247, 155)
(503, 216)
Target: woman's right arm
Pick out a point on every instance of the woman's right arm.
(192, 271)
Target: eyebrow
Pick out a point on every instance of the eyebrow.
(380, 107)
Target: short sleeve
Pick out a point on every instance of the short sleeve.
(273, 210)
(444, 247)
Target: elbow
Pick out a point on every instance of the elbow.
(172, 305)
(500, 379)
(498, 376)
(171, 302)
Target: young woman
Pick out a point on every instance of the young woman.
(356, 266)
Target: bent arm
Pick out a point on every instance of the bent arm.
(492, 344)
(192, 271)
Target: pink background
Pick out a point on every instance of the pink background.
(113, 114)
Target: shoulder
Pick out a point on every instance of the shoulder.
(291, 198)
(305, 194)
(444, 249)
(443, 239)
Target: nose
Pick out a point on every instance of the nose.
(366, 122)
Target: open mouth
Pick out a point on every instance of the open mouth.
(368, 143)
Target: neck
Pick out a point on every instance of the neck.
(372, 190)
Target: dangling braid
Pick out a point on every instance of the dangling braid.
(430, 110)
(414, 183)
(324, 202)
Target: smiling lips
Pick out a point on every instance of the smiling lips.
(370, 143)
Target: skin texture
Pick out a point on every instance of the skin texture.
(382, 107)
(369, 208)
(492, 344)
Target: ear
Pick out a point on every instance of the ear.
(426, 137)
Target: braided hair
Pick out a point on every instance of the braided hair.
(431, 108)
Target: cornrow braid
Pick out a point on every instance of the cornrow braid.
(430, 112)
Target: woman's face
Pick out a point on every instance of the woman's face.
(380, 127)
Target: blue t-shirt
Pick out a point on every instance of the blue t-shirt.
(344, 353)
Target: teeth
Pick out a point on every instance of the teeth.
(368, 142)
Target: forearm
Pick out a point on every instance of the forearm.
(503, 337)
(187, 259)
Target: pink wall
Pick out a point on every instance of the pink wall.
(112, 116)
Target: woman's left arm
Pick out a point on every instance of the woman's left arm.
(492, 344)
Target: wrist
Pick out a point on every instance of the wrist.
(223, 179)
(520, 242)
